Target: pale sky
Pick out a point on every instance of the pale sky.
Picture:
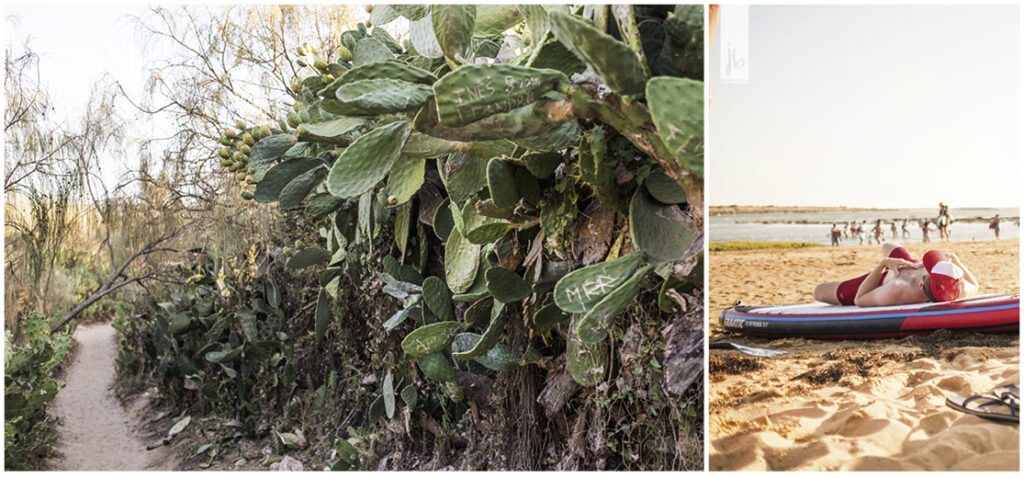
(870, 106)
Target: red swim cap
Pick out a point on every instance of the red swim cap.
(945, 278)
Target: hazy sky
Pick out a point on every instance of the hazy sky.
(868, 106)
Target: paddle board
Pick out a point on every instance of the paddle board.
(991, 313)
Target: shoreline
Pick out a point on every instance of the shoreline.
(738, 209)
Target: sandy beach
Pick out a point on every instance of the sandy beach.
(855, 404)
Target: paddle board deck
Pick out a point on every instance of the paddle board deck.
(983, 314)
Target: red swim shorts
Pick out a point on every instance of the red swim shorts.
(847, 290)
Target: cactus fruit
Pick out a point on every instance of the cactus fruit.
(344, 53)
(240, 125)
(474, 92)
(299, 244)
(226, 141)
(250, 179)
(461, 260)
(615, 63)
(663, 232)
(248, 139)
(582, 289)
(431, 338)
(506, 286)
(224, 153)
(367, 160)
(501, 182)
(380, 96)
(230, 133)
(245, 149)
(247, 195)
(264, 132)
(677, 109)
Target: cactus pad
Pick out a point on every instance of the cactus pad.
(269, 188)
(370, 50)
(453, 27)
(461, 259)
(582, 289)
(309, 256)
(663, 232)
(677, 108)
(474, 92)
(506, 286)
(297, 189)
(431, 338)
(380, 96)
(438, 298)
(367, 160)
(405, 179)
(614, 62)
(594, 326)
(501, 182)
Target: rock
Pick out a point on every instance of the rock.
(240, 463)
(289, 464)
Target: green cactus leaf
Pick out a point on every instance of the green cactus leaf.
(270, 149)
(367, 160)
(297, 189)
(501, 182)
(403, 218)
(580, 290)
(276, 178)
(453, 27)
(369, 50)
(480, 229)
(663, 232)
(465, 176)
(597, 170)
(554, 55)
(323, 315)
(506, 286)
(382, 96)
(322, 204)
(458, 219)
(489, 209)
(410, 11)
(495, 329)
(461, 259)
(301, 149)
(338, 108)
(594, 326)
(423, 146)
(497, 358)
(547, 318)
(436, 367)
(677, 108)
(409, 395)
(492, 20)
(532, 120)
(384, 37)
(398, 318)
(615, 63)
(541, 165)
(588, 364)
(337, 128)
(565, 136)
(401, 272)
(388, 70)
(422, 37)
(405, 180)
(431, 338)
(664, 189)
(528, 186)
(443, 223)
(388, 392)
(686, 34)
(376, 411)
(478, 314)
(384, 14)
(438, 298)
(310, 256)
(474, 92)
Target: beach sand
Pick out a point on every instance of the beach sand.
(855, 404)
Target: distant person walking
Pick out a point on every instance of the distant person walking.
(924, 230)
(994, 225)
(878, 232)
(906, 229)
(892, 227)
(861, 230)
(836, 234)
(943, 221)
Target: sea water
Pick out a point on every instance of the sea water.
(968, 225)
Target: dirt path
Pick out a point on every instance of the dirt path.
(96, 433)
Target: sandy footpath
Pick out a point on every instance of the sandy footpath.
(95, 431)
(855, 405)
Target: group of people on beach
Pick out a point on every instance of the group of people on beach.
(876, 233)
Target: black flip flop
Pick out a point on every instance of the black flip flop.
(1002, 404)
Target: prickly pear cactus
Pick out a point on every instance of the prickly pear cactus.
(468, 153)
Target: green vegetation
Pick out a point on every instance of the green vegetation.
(751, 245)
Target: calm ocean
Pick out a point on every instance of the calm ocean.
(968, 225)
